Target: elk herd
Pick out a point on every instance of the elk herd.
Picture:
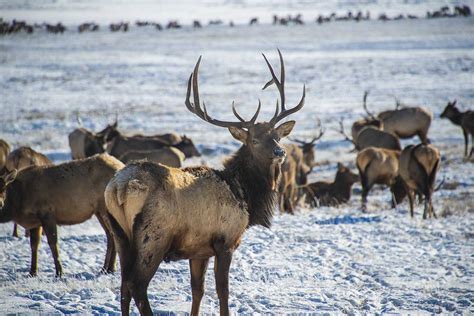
(152, 210)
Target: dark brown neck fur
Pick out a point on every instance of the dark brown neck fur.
(12, 202)
(241, 172)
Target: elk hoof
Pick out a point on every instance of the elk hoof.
(32, 274)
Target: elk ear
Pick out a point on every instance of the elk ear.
(454, 103)
(340, 166)
(240, 134)
(10, 177)
(115, 124)
(285, 129)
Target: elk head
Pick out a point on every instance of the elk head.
(5, 180)
(108, 133)
(188, 148)
(308, 147)
(450, 111)
(345, 175)
(260, 140)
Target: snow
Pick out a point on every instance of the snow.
(334, 260)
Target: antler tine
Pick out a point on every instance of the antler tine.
(254, 117)
(366, 93)
(279, 83)
(285, 113)
(202, 112)
(343, 133)
(236, 114)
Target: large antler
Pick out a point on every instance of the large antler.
(366, 93)
(316, 138)
(280, 84)
(343, 133)
(202, 112)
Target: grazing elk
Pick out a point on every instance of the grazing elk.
(169, 156)
(4, 151)
(325, 193)
(418, 167)
(66, 194)
(463, 119)
(22, 158)
(84, 143)
(159, 213)
(405, 122)
(121, 144)
(371, 136)
(380, 166)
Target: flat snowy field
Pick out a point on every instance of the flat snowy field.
(335, 260)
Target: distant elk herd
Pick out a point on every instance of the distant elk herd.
(152, 210)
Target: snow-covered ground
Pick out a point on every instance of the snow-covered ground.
(336, 260)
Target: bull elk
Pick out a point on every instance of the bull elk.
(4, 151)
(370, 136)
(22, 158)
(463, 119)
(84, 143)
(160, 213)
(380, 166)
(168, 156)
(418, 167)
(405, 122)
(70, 193)
(326, 193)
(369, 120)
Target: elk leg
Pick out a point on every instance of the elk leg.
(466, 141)
(198, 274)
(411, 201)
(221, 272)
(51, 231)
(15, 230)
(35, 238)
(110, 256)
(432, 210)
(472, 146)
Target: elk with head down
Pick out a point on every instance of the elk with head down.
(380, 166)
(22, 158)
(463, 119)
(418, 167)
(325, 193)
(405, 122)
(160, 213)
(84, 143)
(70, 193)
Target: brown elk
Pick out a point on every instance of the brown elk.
(325, 193)
(293, 171)
(358, 125)
(84, 143)
(121, 144)
(66, 194)
(159, 213)
(168, 156)
(463, 119)
(22, 158)
(4, 151)
(380, 166)
(405, 122)
(169, 138)
(418, 167)
(371, 136)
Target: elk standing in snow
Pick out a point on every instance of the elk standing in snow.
(463, 119)
(66, 194)
(380, 166)
(159, 213)
(371, 136)
(22, 158)
(418, 167)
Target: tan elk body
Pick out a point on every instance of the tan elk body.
(169, 156)
(22, 158)
(64, 194)
(418, 168)
(160, 213)
(380, 166)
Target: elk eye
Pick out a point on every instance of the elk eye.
(254, 141)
